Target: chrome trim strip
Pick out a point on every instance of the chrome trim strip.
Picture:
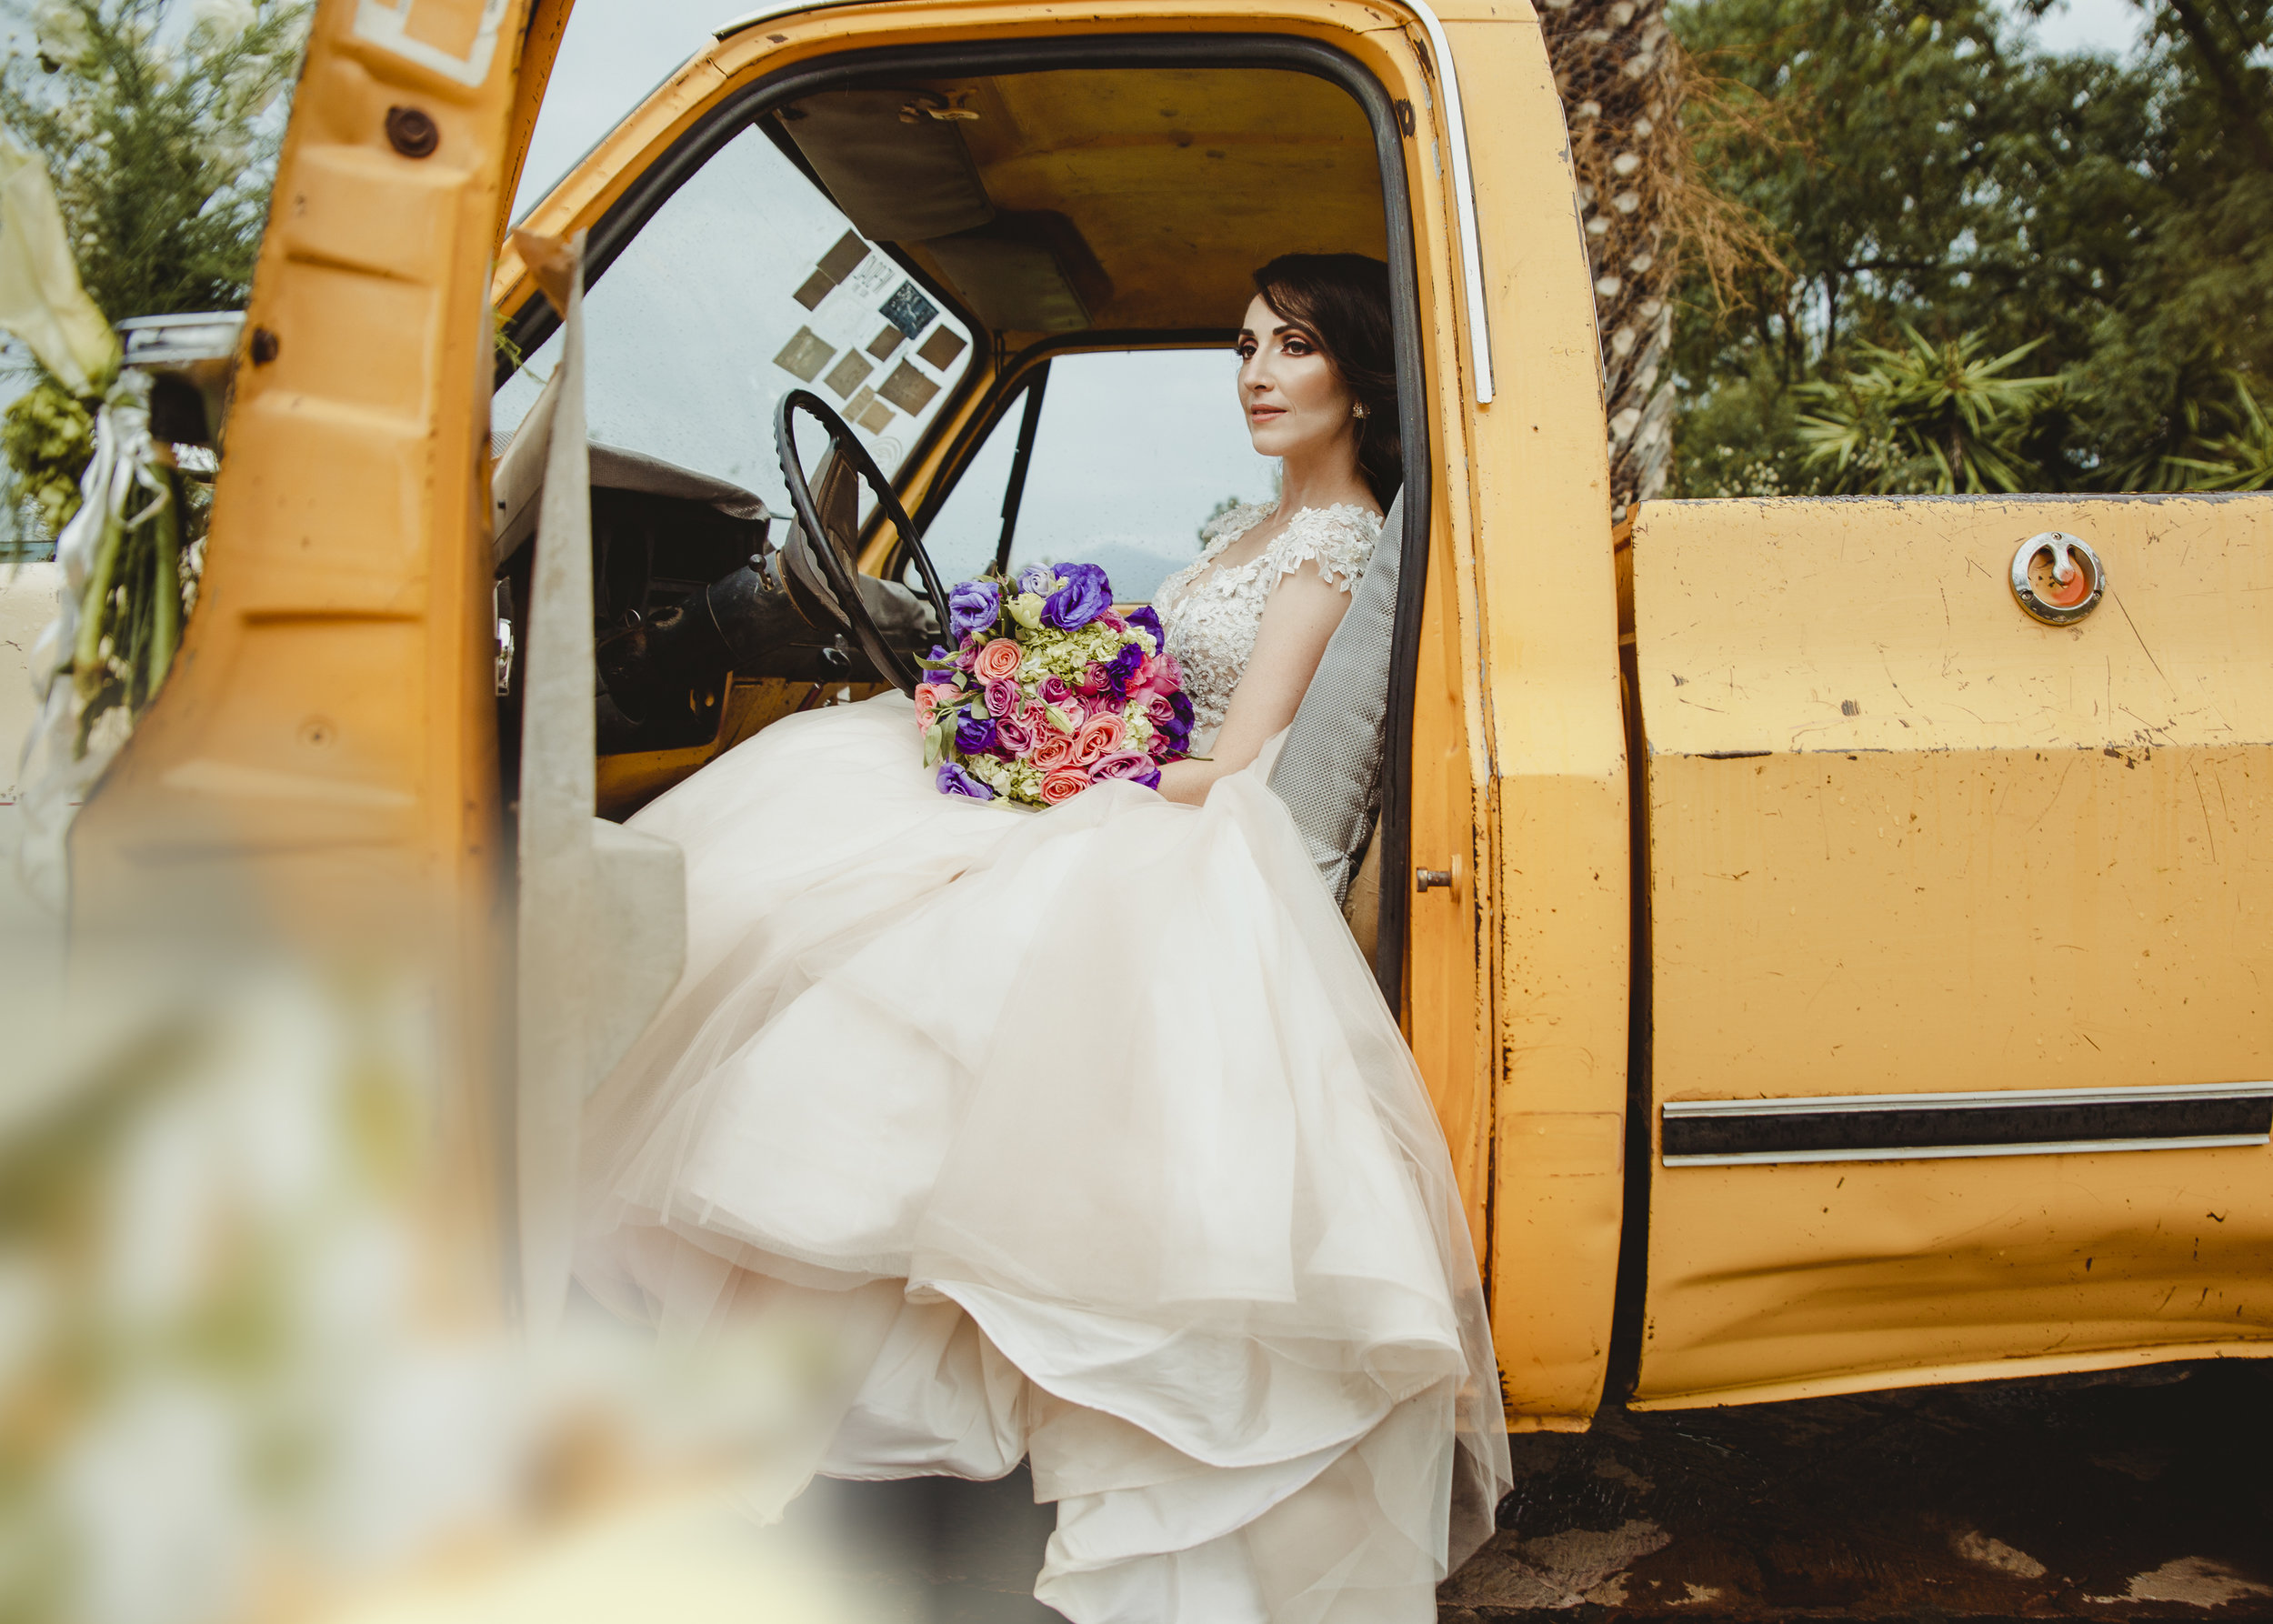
(1946, 1153)
(1987, 1099)
(1463, 198)
(1456, 124)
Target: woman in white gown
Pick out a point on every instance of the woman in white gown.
(1084, 1135)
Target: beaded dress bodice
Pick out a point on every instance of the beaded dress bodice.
(1211, 616)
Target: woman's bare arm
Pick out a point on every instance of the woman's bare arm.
(1300, 616)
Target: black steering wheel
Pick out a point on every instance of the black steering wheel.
(844, 609)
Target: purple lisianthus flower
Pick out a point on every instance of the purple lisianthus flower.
(1039, 578)
(973, 606)
(953, 780)
(1123, 667)
(1177, 730)
(1086, 595)
(975, 734)
(1149, 618)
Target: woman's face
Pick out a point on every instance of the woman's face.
(1296, 405)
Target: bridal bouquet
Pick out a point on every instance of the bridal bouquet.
(1048, 690)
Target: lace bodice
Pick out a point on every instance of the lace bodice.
(1211, 616)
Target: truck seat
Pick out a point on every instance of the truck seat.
(1328, 770)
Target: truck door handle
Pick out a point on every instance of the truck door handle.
(1423, 879)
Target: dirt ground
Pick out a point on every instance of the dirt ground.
(2144, 1495)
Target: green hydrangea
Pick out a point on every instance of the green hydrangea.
(48, 437)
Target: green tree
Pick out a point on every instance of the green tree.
(1923, 169)
(162, 152)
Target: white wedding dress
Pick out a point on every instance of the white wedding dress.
(1086, 1138)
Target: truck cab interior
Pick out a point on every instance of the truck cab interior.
(1017, 287)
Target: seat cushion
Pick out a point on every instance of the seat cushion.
(1329, 771)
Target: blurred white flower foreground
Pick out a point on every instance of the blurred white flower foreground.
(251, 1367)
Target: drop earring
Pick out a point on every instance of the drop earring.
(1357, 408)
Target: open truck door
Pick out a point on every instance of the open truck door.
(327, 739)
(1958, 962)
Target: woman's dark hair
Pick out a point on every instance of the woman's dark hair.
(1343, 299)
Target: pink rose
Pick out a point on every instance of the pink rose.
(1053, 690)
(1063, 784)
(1159, 709)
(1120, 764)
(1158, 675)
(1099, 735)
(928, 697)
(1053, 750)
(1013, 737)
(1002, 698)
(999, 659)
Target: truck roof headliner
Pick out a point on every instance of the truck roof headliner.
(1101, 198)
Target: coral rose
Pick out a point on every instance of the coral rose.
(928, 696)
(1063, 784)
(1054, 751)
(999, 659)
(1158, 675)
(1099, 735)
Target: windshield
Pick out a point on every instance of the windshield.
(745, 285)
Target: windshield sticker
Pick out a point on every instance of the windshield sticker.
(881, 345)
(876, 417)
(804, 356)
(940, 349)
(908, 310)
(838, 265)
(908, 389)
(849, 374)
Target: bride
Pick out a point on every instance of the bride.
(1084, 1136)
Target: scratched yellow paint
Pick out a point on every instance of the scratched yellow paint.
(1902, 838)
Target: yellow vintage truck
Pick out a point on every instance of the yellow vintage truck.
(1834, 932)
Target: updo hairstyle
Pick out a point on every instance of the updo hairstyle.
(1343, 299)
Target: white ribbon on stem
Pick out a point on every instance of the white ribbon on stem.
(66, 660)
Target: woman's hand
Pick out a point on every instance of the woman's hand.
(1300, 616)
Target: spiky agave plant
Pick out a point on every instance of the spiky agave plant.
(2241, 459)
(1922, 417)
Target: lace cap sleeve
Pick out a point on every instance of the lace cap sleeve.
(1339, 538)
(1232, 520)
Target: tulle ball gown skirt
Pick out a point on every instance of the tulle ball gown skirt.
(1087, 1135)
